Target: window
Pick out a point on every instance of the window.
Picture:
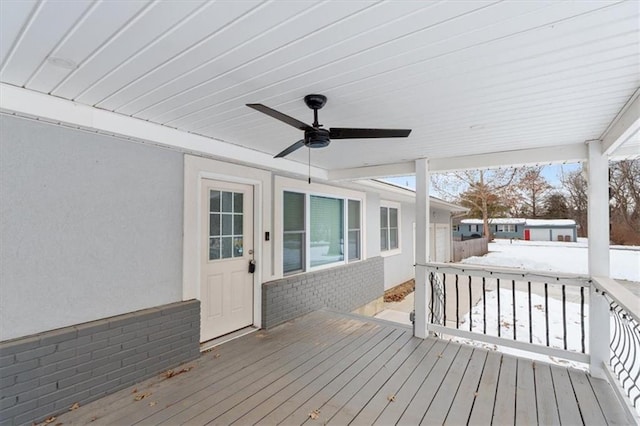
(388, 228)
(294, 235)
(354, 230)
(506, 228)
(455, 228)
(323, 243)
(225, 225)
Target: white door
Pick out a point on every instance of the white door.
(442, 243)
(226, 285)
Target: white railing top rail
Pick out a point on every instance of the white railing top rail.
(509, 273)
(623, 297)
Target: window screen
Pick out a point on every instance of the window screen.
(354, 229)
(294, 234)
(326, 230)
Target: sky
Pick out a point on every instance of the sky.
(551, 172)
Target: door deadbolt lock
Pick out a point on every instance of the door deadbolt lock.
(252, 266)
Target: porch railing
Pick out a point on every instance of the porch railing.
(527, 311)
(624, 363)
(538, 312)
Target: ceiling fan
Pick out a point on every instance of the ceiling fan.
(317, 137)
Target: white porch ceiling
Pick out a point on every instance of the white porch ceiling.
(469, 77)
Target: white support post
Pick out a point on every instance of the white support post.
(598, 229)
(421, 300)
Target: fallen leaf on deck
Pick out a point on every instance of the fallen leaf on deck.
(172, 373)
(93, 419)
(475, 394)
(439, 355)
(134, 390)
(50, 420)
(141, 396)
(391, 398)
(152, 403)
(314, 414)
(75, 406)
(216, 356)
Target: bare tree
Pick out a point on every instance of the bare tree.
(624, 187)
(575, 185)
(477, 189)
(533, 188)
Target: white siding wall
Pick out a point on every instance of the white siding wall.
(91, 227)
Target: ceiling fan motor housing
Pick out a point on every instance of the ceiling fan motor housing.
(316, 138)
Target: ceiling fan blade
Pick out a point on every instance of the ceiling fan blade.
(349, 133)
(292, 148)
(280, 116)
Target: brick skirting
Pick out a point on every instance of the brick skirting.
(44, 374)
(343, 288)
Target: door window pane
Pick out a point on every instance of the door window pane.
(226, 224)
(214, 201)
(326, 233)
(227, 205)
(237, 203)
(227, 245)
(227, 228)
(214, 225)
(237, 224)
(214, 248)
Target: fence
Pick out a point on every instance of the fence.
(468, 248)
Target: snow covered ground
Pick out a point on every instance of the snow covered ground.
(538, 256)
(558, 257)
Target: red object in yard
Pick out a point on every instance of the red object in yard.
(527, 234)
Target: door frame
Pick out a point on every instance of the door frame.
(192, 243)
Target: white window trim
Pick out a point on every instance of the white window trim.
(397, 251)
(282, 184)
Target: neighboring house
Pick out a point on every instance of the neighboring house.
(524, 229)
(120, 249)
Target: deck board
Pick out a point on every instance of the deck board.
(460, 407)
(565, 396)
(526, 412)
(546, 405)
(443, 397)
(482, 411)
(331, 398)
(587, 401)
(378, 402)
(504, 410)
(357, 371)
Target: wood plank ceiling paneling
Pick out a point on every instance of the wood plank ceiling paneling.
(469, 77)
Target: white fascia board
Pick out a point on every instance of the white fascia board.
(372, 172)
(27, 103)
(625, 126)
(548, 155)
(409, 194)
(626, 152)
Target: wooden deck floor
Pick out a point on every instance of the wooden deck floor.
(328, 368)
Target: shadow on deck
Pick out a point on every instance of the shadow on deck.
(329, 368)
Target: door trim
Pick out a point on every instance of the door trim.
(192, 245)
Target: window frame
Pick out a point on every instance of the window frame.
(506, 227)
(391, 205)
(283, 185)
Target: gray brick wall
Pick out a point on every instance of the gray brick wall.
(343, 288)
(44, 374)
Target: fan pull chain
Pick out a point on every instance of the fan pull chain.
(309, 165)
